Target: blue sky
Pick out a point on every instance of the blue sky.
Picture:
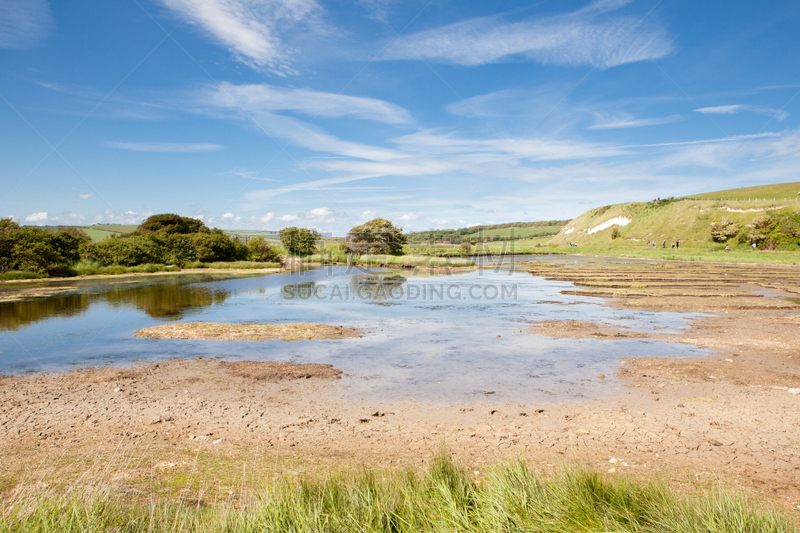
(266, 114)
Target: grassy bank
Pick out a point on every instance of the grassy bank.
(233, 265)
(444, 497)
(736, 255)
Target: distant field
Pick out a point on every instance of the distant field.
(99, 232)
(268, 235)
(789, 191)
(516, 232)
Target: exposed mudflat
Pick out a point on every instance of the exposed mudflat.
(206, 427)
(247, 332)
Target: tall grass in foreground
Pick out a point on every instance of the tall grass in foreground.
(446, 497)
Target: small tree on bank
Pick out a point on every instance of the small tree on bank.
(378, 236)
(299, 241)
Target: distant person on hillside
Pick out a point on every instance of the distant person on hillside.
(672, 245)
(754, 246)
(664, 244)
(727, 248)
(677, 244)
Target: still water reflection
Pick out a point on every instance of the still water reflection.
(439, 338)
(167, 298)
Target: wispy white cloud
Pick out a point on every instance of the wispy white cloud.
(259, 105)
(86, 196)
(255, 198)
(244, 173)
(377, 9)
(533, 149)
(585, 37)
(271, 98)
(162, 147)
(720, 109)
(24, 23)
(251, 29)
(605, 122)
(778, 114)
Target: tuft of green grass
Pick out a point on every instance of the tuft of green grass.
(445, 497)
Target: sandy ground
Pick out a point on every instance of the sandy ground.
(210, 427)
(250, 332)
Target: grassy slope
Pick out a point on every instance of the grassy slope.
(683, 219)
(779, 190)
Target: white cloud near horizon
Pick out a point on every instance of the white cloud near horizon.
(66, 218)
(24, 23)
(588, 37)
(164, 147)
(250, 29)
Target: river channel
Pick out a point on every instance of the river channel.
(427, 337)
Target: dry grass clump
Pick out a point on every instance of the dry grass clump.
(277, 371)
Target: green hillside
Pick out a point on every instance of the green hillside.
(511, 230)
(768, 215)
(504, 233)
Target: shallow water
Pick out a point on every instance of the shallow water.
(432, 338)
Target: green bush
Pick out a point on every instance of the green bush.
(169, 224)
(722, 230)
(299, 241)
(776, 230)
(31, 249)
(128, 250)
(259, 250)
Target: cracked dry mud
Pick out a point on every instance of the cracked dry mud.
(730, 417)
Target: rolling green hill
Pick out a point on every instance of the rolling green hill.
(768, 214)
(515, 230)
(785, 191)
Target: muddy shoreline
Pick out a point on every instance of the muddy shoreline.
(730, 418)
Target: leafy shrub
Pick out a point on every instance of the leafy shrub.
(776, 230)
(128, 250)
(31, 249)
(378, 236)
(722, 230)
(299, 241)
(214, 247)
(169, 224)
(259, 249)
(614, 232)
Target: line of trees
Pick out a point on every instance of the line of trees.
(161, 239)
